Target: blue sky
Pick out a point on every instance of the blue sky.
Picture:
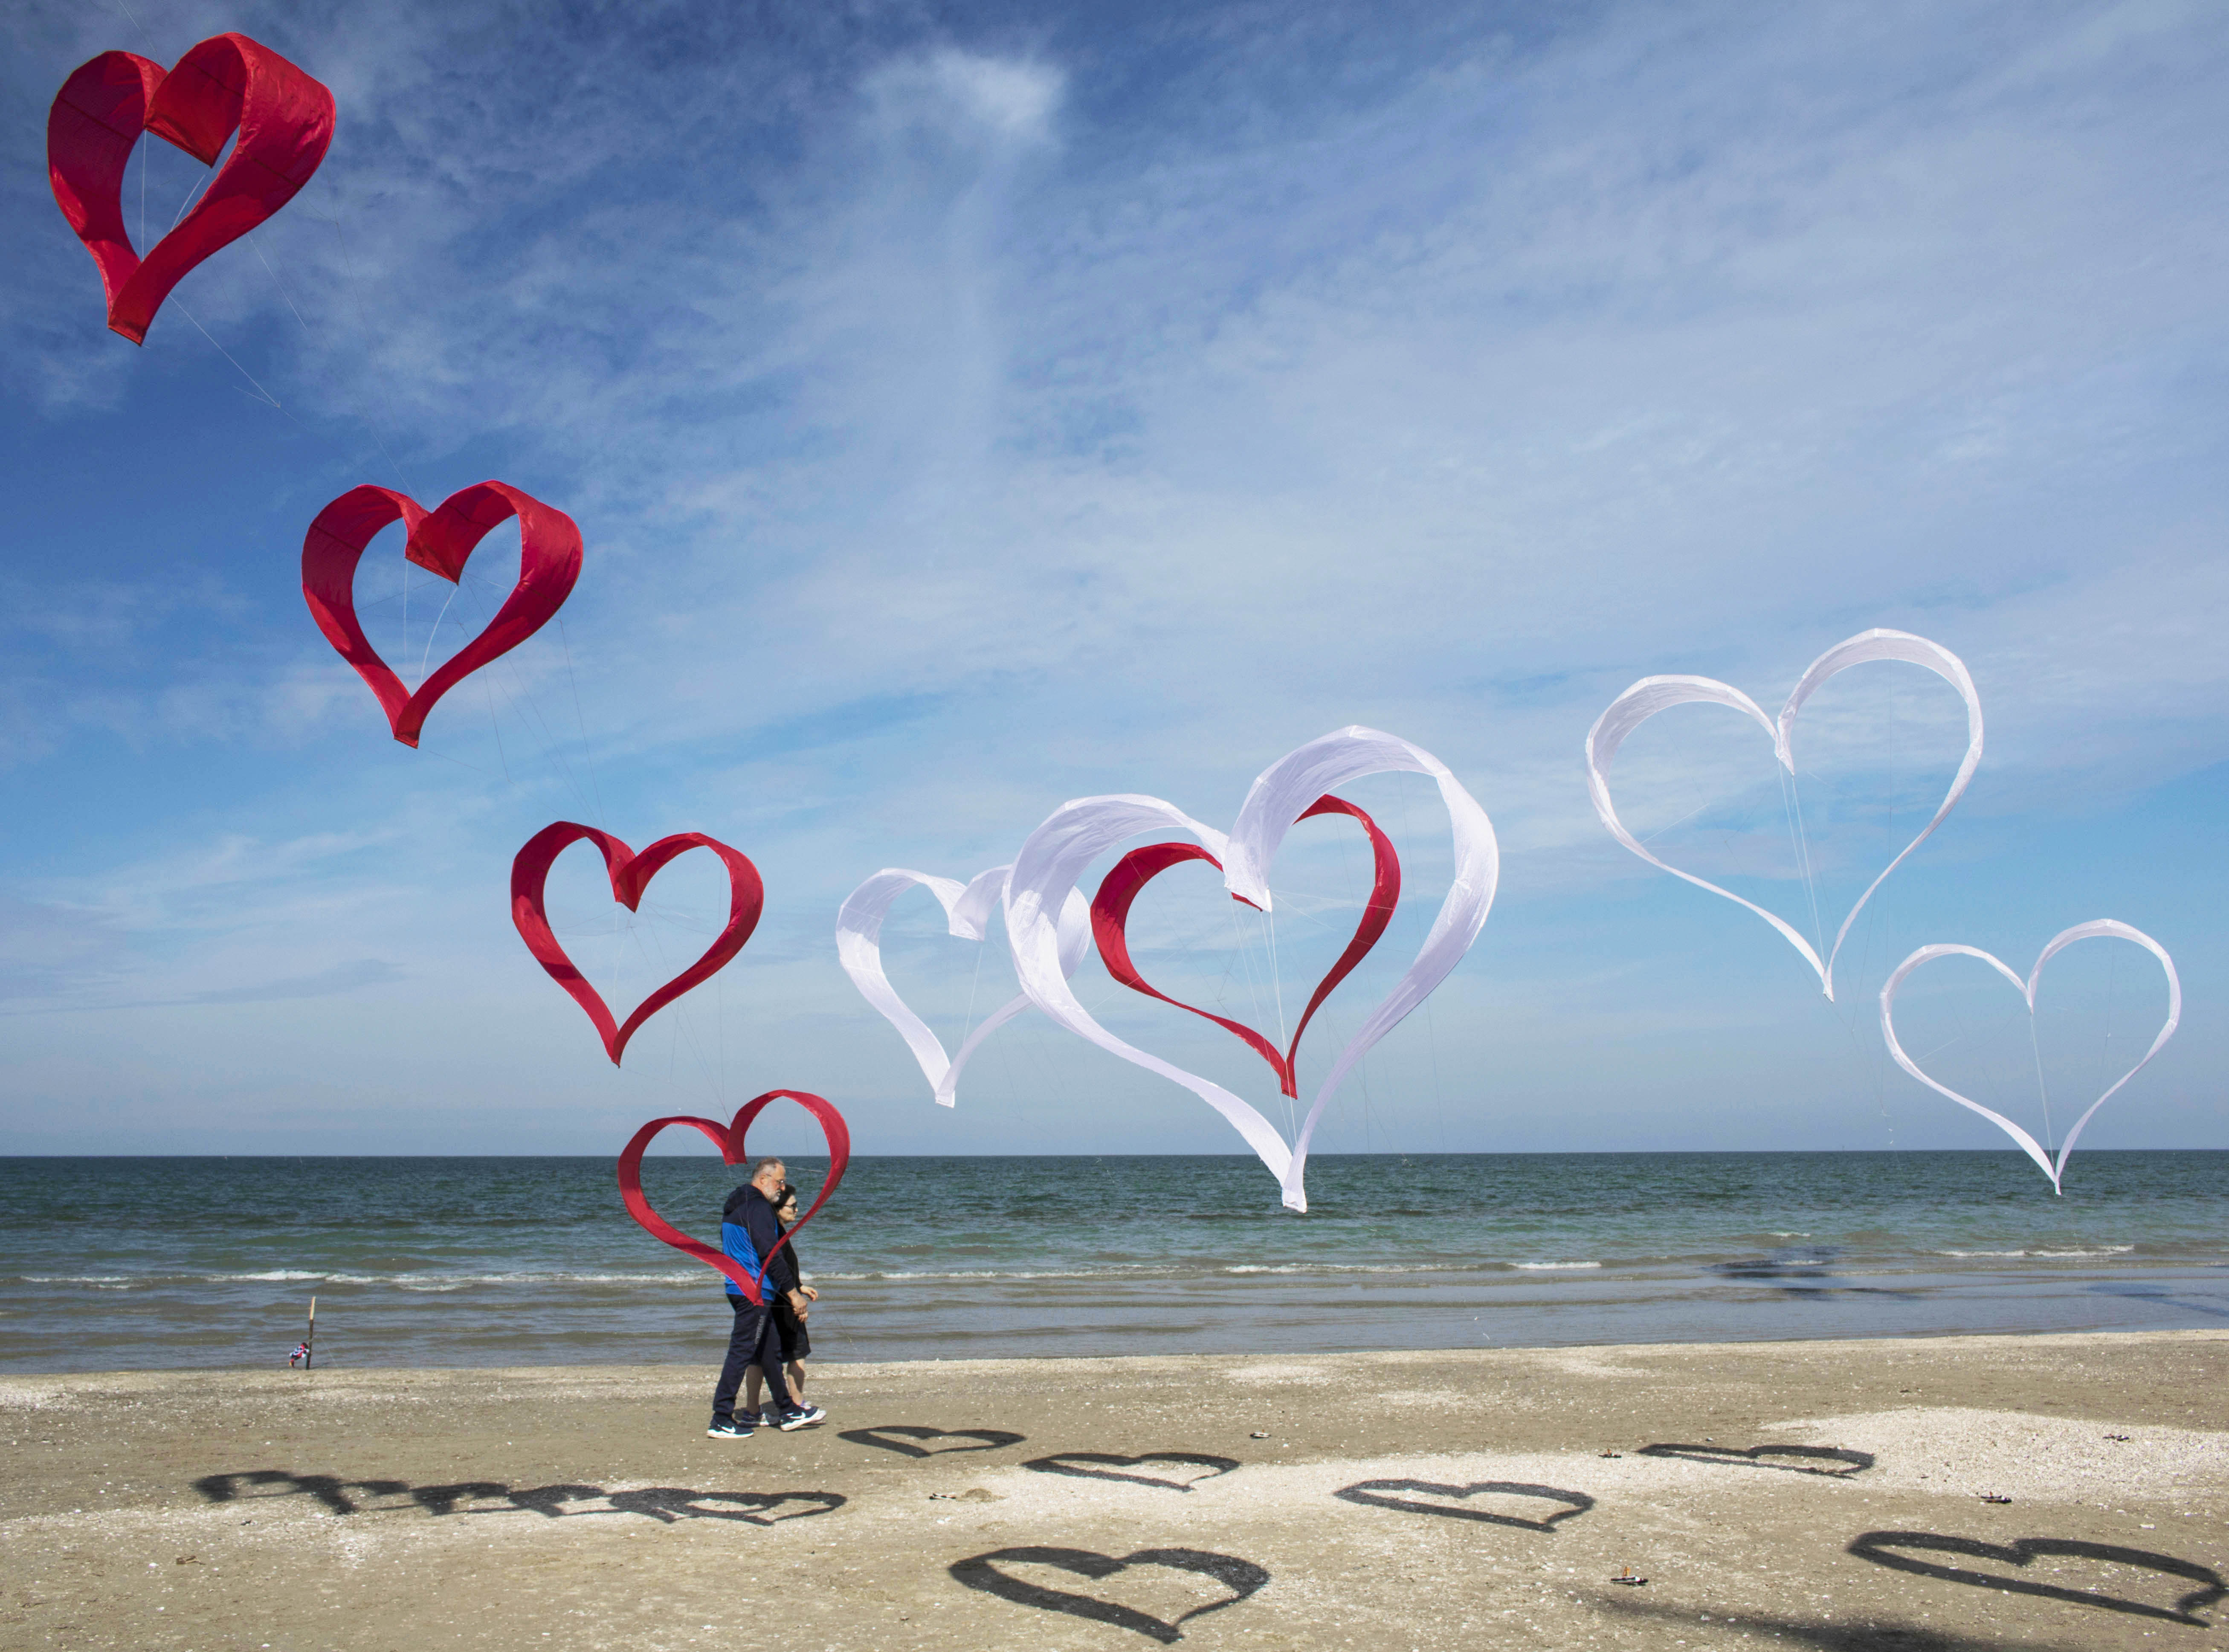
(970, 408)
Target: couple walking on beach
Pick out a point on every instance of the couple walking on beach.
(769, 1335)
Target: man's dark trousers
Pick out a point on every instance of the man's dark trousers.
(755, 1341)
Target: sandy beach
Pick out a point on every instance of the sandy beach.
(1823, 1494)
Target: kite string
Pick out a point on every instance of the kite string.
(1792, 802)
(363, 328)
(1276, 975)
(654, 952)
(190, 194)
(580, 718)
(1241, 956)
(433, 630)
(1800, 836)
(1277, 997)
(526, 707)
(1362, 1067)
(501, 756)
(1682, 820)
(1431, 1031)
(260, 393)
(137, 25)
(973, 980)
(257, 247)
(146, 151)
(1876, 933)
(379, 440)
(2105, 1052)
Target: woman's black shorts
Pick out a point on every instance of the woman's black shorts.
(795, 1344)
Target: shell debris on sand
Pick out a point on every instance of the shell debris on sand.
(2048, 1459)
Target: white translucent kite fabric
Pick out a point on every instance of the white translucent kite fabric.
(1653, 694)
(1058, 852)
(2100, 928)
(967, 909)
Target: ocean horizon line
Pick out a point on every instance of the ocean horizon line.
(1400, 1153)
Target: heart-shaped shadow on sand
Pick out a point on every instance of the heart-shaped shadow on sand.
(1242, 1577)
(1832, 1461)
(1104, 1465)
(887, 1436)
(1892, 1549)
(1374, 1493)
(671, 1504)
(666, 1504)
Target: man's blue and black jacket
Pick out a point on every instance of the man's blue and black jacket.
(748, 1232)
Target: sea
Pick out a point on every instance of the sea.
(171, 1262)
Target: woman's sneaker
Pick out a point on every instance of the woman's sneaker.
(803, 1417)
(733, 1428)
(750, 1419)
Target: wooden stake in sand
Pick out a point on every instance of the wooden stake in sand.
(310, 1342)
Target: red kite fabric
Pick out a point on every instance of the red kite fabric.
(1110, 914)
(630, 874)
(729, 1137)
(285, 120)
(440, 541)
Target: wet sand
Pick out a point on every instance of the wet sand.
(1814, 1493)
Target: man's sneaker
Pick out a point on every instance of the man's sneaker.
(802, 1417)
(732, 1428)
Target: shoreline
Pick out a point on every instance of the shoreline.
(1822, 1494)
(1093, 1318)
(824, 1360)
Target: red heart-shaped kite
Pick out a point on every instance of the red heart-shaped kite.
(630, 874)
(440, 541)
(285, 123)
(1110, 913)
(729, 1137)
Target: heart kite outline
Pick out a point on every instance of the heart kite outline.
(1653, 694)
(440, 541)
(2096, 928)
(1110, 914)
(630, 874)
(1054, 855)
(228, 82)
(967, 914)
(729, 1138)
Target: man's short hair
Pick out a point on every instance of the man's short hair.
(765, 1165)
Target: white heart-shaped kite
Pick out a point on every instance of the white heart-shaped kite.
(967, 914)
(1653, 694)
(1057, 853)
(2065, 938)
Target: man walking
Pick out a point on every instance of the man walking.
(747, 1232)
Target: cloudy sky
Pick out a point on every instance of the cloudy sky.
(968, 409)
